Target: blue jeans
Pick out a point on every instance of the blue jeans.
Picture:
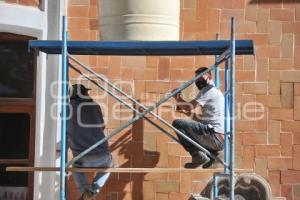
(100, 179)
(201, 133)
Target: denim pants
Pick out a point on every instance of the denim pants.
(100, 179)
(201, 133)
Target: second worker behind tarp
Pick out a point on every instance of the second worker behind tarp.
(208, 130)
(85, 128)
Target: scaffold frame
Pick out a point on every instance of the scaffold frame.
(224, 51)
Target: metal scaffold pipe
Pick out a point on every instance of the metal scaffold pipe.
(144, 107)
(149, 109)
(232, 110)
(64, 94)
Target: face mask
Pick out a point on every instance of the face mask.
(200, 84)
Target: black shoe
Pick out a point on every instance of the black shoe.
(212, 163)
(87, 195)
(198, 158)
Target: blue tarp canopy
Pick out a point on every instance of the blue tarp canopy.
(141, 48)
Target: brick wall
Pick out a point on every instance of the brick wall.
(270, 144)
(34, 3)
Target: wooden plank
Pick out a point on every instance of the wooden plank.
(120, 170)
(14, 161)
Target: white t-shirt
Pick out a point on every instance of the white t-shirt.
(211, 100)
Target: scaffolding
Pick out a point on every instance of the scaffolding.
(223, 50)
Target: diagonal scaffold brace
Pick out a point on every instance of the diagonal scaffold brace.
(150, 109)
(141, 105)
(123, 102)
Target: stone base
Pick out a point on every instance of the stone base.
(248, 187)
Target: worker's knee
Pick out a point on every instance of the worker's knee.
(175, 123)
(178, 123)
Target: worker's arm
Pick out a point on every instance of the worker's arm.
(184, 105)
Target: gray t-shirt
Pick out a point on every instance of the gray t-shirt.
(211, 100)
(85, 126)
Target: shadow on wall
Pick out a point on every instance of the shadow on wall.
(131, 153)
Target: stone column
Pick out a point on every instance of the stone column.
(145, 20)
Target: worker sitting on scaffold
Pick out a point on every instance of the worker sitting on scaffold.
(208, 130)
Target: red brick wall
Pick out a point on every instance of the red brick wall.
(270, 145)
(34, 3)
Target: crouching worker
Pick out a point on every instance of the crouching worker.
(206, 130)
(85, 128)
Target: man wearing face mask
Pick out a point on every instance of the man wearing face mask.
(208, 130)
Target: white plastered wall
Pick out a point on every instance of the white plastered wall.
(31, 21)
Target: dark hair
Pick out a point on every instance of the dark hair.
(202, 69)
(78, 91)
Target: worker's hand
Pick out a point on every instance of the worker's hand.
(178, 96)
